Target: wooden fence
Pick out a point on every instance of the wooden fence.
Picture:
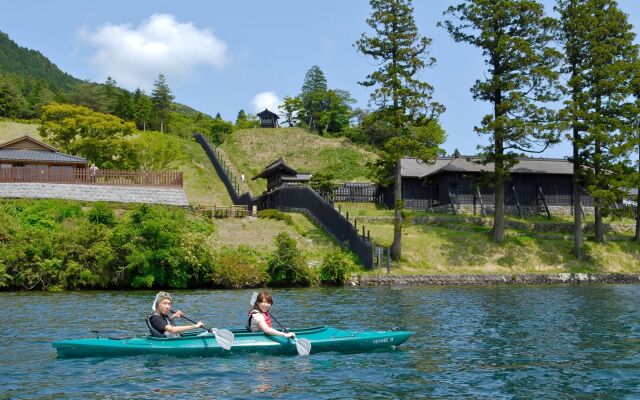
(223, 211)
(85, 176)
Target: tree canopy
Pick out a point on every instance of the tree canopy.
(515, 38)
(404, 103)
(81, 131)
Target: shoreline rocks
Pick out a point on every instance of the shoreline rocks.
(491, 279)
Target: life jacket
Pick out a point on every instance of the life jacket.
(156, 333)
(267, 318)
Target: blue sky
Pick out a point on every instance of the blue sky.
(224, 56)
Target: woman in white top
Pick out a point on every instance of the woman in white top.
(259, 318)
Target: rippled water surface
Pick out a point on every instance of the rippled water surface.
(490, 342)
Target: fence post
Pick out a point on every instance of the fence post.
(388, 259)
(347, 215)
(368, 235)
(363, 232)
(355, 224)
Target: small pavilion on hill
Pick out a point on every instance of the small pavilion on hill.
(26, 153)
(278, 173)
(268, 119)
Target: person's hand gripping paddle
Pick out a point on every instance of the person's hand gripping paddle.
(303, 346)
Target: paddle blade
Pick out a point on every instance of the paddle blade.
(224, 338)
(254, 297)
(303, 346)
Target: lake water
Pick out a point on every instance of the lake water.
(498, 342)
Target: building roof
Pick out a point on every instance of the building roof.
(412, 167)
(267, 113)
(27, 143)
(297, 178)
(40, 156)
(277, 165)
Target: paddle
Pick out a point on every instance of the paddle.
(303, 346)
(223, 337)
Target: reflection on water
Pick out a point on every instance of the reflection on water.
(470, 342)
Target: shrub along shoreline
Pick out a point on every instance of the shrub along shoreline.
(66, 245)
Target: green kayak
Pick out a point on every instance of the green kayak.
(322, 339)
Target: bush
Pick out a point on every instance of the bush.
(50, 245)
(286, 266)
(336, 267)
(238, 268)
(101, 213)
(272, 213)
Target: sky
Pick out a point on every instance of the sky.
(223, 56)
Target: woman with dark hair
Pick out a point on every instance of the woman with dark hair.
(259, 318)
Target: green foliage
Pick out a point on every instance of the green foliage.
(405, 104)
(238, 268)
(156, 151)
(323, 182)
(516, 40)
(220, 129)
(101, 213)
(246, 121)
(602, 60)
(162, 98)
(292, 108)
(142, 109)
(95, 136)
(272, 213)
(286, 266)
(336, 268)
(53, 245)
(322, 109)
(22, 61)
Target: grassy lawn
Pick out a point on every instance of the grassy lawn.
(261, 233)
(458, 244)
(10, 130)
(201, 183)
(250, 150)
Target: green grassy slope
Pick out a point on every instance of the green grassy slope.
(250, 150)
(10, 130)
(459, 244)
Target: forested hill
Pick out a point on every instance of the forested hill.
(31, 63)
(28, 81)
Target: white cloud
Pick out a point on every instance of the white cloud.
(264, 100)
(160, 44)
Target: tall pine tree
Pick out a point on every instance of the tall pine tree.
(313, 96)
(162, 98)
(403, 102)
(601, 60)
(515, 38)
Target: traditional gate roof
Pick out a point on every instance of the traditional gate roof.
(277, 166)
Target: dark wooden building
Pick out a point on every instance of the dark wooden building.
(536, 184)
(28, 154)
(268, 119)
(278, 173)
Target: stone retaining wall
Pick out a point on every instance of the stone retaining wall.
(424, 280)
(121, 194)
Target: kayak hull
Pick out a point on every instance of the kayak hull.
(323, 339)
